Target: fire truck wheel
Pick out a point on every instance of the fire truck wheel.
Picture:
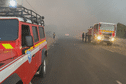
(43, 69)
(19, 82)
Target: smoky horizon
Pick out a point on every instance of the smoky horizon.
(69, 16)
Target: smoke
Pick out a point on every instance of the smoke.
(66, 15)
(78, 15)
(108, 10)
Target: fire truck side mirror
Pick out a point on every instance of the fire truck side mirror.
(29, 41)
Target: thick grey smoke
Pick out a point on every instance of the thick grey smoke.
(108, 10)
(78, 15)
(67, 15)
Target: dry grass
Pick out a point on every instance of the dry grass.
(119, 45)
(50, 41)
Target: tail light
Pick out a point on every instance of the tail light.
(113, 34)
(100, 33)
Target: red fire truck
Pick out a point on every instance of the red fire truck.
(102, 32)
(23, 46)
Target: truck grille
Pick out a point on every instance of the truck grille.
(106, 37)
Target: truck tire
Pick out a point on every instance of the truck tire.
(42, 71)
(19, 82)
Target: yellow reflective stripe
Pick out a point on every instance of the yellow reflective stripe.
(35, 46)
(40, 43)
(106, 31)
(29, 49)
(7, 46)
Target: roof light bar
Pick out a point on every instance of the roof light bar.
(13, 4)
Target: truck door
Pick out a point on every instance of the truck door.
(29, 67)
(42, 38)
(36, 45)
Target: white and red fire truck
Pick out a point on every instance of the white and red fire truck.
(102, 32)
(23, 46)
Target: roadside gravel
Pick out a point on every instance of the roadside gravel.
(119, 46)
(50, 41)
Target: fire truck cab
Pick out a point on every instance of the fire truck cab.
(102, 32)
(23, 46)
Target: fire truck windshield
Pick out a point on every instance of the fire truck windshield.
(107, 27)
(8, 29)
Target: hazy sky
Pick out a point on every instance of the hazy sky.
(79, 14)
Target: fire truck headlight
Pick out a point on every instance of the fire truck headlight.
(13, 3)
(112, 39)
(99, 37)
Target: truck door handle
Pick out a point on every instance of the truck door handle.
(34, 55)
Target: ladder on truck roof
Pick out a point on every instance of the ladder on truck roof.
(22, 12)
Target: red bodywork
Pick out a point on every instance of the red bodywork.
(14, 57)
(92, 31)
(95, 30)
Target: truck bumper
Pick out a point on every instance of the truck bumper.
(104, 40)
